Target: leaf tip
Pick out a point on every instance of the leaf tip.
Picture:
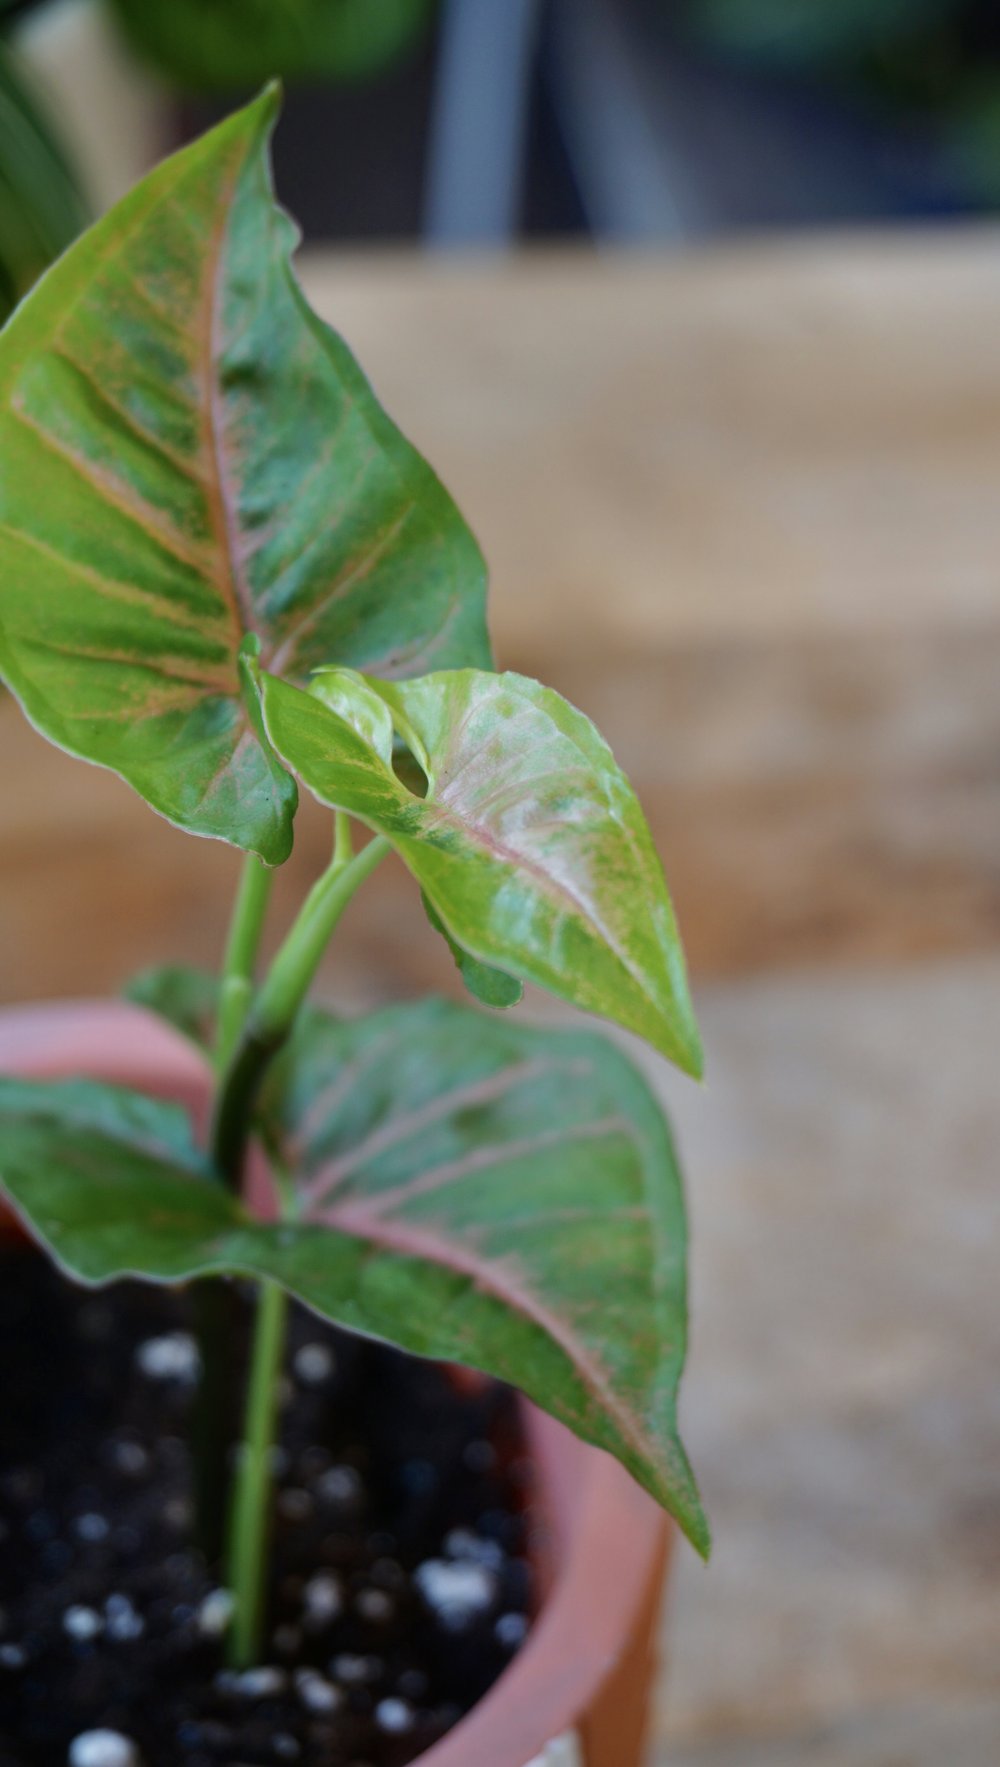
(678, 1039)
(698, 1532)
(693, 1062)
(687, 1511)
(683, 1045)
(252, 125)
(269, 101)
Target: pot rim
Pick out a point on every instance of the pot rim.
(608, 1536)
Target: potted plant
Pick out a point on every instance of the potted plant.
(225, 575)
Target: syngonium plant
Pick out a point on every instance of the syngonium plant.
(225, 574)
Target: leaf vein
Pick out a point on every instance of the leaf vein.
(375, 1206)
(341, 586)
(504, 1282)
(123, 594)
(147, 437)
(475, 1094)
(111, 489)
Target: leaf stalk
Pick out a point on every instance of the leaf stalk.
(240, 959)
(271, 1017)
(249, 1038)
(250, 1519)
(215, 1303)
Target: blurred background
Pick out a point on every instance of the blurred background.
(457, 121)
(695, 305)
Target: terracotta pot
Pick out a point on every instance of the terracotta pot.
(581, 1681)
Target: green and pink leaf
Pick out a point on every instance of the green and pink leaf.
(214, 465)
(464, 1187)
(529, 842)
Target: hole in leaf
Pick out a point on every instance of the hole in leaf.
(408, 769)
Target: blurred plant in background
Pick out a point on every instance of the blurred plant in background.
(42, 207)
(463, 122)
(813, 33)
(222, 45)
(930, 64)
(194, 46)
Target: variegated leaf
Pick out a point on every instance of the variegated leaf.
(189, 455)
(529, 843)
(465, 1187)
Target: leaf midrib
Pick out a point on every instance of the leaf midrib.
(554, 888)
(376, 1204)
(219, 490)
(475, 1094)
(505, 1284)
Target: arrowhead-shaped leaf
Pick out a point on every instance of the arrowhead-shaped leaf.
(190, 456)
(530, 843)
(502, 1196)
(466, 1188)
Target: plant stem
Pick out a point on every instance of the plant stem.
(260, 1034)
(215, 1305)
(249, 1528)
(291, 974)
(240, 958)
(273, 1013)
(343, 845)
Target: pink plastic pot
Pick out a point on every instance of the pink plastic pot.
(586, 1667)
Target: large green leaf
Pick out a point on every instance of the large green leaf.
(190, 456)
(529, 844)
(222, 45)
(503, 1196)
(467, 1188)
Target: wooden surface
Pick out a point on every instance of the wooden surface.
(743, 508)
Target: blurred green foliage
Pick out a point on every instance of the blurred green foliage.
(200, 45)
(220, 45)
(41, 205)
(931, 66)
(813, 33)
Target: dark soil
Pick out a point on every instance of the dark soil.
(400, 1590)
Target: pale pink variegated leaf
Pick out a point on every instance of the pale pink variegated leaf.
(529, 843)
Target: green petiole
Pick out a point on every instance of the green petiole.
(272, 1015)
(251, 1033)
(249, 1524)
(240, 960)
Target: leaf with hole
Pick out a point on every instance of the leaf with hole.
(529, 844)
(215, 466)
